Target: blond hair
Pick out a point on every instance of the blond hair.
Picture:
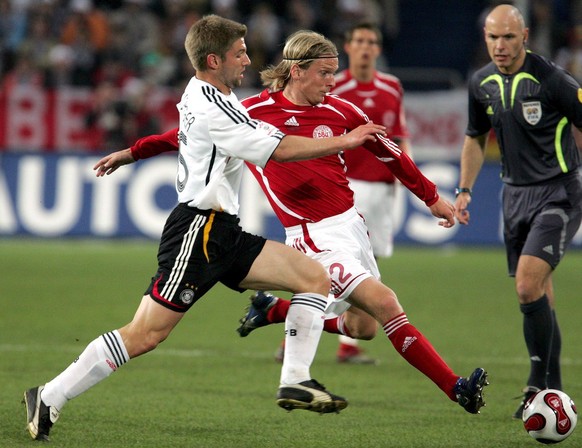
(301, 48)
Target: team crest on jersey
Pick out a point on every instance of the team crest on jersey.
(532, 112)
(322, 131)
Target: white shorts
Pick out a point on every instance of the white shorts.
(375, 201)
(341, 244)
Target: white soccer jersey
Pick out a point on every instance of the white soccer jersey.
(216, 135)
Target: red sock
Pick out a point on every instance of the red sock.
(334, 326)
(346, 350)
(418, 351)
(279, 311)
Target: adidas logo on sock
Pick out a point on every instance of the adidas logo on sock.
(408, 340)
(292, 122)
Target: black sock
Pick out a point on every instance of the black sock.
(538, 327)
(554, 372)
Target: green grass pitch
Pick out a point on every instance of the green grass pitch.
(207, 387)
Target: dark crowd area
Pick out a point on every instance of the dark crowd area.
(122, 49)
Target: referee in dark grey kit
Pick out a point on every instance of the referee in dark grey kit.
(531, 104)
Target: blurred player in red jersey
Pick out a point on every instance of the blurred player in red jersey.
(314, 202)
(380, 96)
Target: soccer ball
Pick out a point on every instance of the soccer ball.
(550, 416)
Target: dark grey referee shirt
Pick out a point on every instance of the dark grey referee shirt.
(531, 112)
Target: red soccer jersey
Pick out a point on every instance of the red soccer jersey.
(382, 101)
(310, 190)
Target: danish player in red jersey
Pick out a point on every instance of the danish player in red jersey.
(315, 204)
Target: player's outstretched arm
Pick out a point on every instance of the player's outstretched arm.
(144, 148)
(294, 147)
(362, 134)
(111, 162)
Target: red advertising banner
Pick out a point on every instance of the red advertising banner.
(36, 119)
(33, 119)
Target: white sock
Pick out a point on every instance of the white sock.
(101, 358)
(343, 339)
(303, 327)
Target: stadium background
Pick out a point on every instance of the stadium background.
(81, 78)
(76, 251)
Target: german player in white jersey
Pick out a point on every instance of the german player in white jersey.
(313, 201)
(202, 242)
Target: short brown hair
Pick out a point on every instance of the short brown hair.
(211, 34)
(349, 34)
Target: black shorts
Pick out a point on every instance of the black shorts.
(541, 220)
(198, 249)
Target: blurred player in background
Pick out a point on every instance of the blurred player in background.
(532, 105)
(202, 243)
(313, 201)
(380, 96)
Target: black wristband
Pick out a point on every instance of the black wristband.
(458, 191)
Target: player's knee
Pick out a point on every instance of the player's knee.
(317, 280)
(388, 307)
(527, 291)
(361, 326)
(139, 343)
(365, 332)
(151, 342)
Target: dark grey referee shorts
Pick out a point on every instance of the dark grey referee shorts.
(198, 249)
(541, 220)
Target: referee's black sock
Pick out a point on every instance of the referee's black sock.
(538, 326)
(554, 371)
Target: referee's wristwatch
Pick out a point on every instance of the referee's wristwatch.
(459, 190)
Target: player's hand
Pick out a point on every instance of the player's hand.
(111, 162)
(444, 209)
(363, 133)
(461, 208)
